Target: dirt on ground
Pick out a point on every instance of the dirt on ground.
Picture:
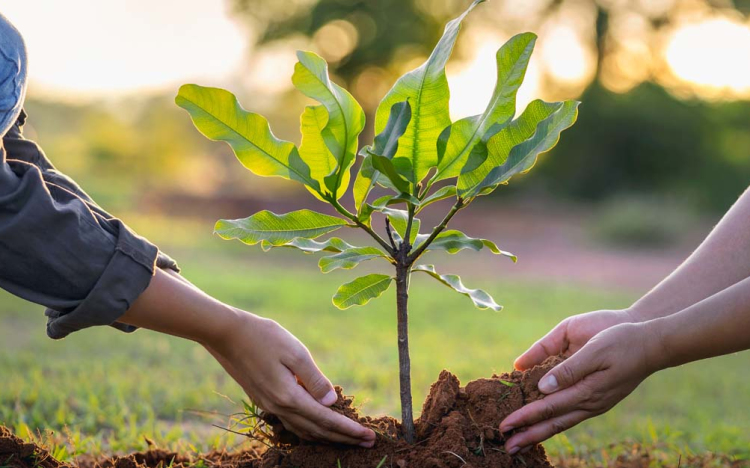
(458, 428)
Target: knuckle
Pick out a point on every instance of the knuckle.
(566, 376)
(298, 356)
(284, 401)
(327, 424)
(549, 410)
(558, 427)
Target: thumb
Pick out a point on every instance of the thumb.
(569, 372)
(313, 380)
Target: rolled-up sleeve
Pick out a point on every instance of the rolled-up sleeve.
(55, 250)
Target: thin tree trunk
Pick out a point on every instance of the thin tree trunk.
(404, 363)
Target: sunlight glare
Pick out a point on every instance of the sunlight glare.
(472, 81)
(714, 54)
(81, 48)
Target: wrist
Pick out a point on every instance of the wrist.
(656, 351)
(636, 313)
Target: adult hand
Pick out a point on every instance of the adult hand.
(272, 366)
(278, 373)
(601, 373)
(570, 335)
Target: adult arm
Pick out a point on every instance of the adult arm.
(720, 261)
(264, 358)
(614, 362)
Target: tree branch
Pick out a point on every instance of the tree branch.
(440, 227)
(335, 203)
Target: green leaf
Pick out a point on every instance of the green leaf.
(386, 144)
(466, 138)
(361, 290)
(313, 149)
(444, 192)
(345, 116)
(453, 241)
(334, 244)
(385, 167)
(522, 157)
(349, 258)
(218, 115)
(399, 220)
(427, 90)
(278, 230)
(481, 299)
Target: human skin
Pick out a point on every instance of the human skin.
(701, 310)
(274, 368)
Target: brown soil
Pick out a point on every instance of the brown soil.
(458, 428)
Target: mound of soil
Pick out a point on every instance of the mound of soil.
(458, 428)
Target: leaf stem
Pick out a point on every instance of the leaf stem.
(440, 227)
(335, 203)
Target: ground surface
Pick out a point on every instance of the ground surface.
(112, 389)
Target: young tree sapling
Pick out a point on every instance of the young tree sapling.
(415, 139)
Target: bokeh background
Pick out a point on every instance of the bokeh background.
(660, 152)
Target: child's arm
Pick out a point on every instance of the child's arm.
(264, 358)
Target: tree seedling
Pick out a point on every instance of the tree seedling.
(419, 156)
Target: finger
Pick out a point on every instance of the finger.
(544, 430)
(548, 408)
(328, 420)
(303, 366)
(551, 344)
(571, 371)
(313, 431)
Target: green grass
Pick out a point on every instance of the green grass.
(111, 389)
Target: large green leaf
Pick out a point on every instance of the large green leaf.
(481, 299)
(219, 116)
(313, 149)
(349, 258)
(278, 230)
(522, 157)
(345, 116)
(334, 244)
(453, 241)
(503, 141)
(427, 90)
(361, 290)
(400, 220)
(386, 144)
(466, 137)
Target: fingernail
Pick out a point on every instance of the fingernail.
(506, 429)
(329, 399)
(548, 384)
(514, 450)
(367, 444)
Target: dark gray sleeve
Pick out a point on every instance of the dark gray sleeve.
(55, 250)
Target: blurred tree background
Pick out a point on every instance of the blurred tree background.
(642, 129)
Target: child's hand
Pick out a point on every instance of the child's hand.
(272, 366)
(570, 335)
(604, 371)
